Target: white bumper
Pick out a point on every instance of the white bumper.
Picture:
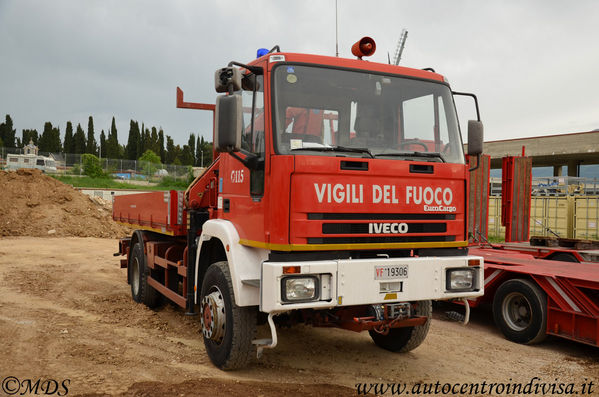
(352, 282)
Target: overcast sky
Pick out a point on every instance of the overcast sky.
(533, 64)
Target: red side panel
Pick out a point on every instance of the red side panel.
(515, 197)
(161, 212)
(478, 199)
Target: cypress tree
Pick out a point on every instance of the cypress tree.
(7, 133)
(102, 144)
(132, 141)
(79, 144)
(154, 140)
(92, 145)
(142, 133)
(44, 140)
(187, 156)
(112, 143)
(55, 143)
(29, 136)
(50, 139)
(191, 143)
(147, 140)
(69, 144)
(170, 150)
(161, 152)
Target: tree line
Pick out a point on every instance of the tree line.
(197, 151)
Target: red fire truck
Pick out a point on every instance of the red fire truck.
(337, 198)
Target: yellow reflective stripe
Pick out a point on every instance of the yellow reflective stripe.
(356, 246)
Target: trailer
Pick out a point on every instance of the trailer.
(537, 286)
(337, 198)
(532, 298)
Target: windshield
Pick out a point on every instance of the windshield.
(335, 112)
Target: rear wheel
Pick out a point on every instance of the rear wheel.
(228, 329)
(141, 291)
(406, 339)
(520, 311)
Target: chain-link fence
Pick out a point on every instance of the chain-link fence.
(71, 164)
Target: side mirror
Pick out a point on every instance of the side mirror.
(227, 79)
(475, 137)
(228, 123)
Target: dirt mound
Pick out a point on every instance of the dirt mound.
(34, 204)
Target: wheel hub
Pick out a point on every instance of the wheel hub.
(135, 276)
(213, 316)
(517, 311)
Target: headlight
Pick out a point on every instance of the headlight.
(463, 279)
(298, 289)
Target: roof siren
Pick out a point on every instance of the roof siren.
(365, 47)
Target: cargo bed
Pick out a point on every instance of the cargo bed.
(161, 212)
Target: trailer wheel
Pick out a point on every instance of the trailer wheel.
(228, 329)
(520, 311)
(141, 291)
(407, 338)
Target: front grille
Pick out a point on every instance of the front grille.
(382, 239)
(363, 228)
(332, 216)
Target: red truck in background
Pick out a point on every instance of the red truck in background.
(337, 199)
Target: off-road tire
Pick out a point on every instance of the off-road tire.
(406, 339)
(520, 311)
(141, 291)
(236, 349)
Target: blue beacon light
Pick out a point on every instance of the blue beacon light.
(261, 52)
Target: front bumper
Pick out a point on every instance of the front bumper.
(351, 282)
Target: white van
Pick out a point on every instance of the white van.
(16, 161)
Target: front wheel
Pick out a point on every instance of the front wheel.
(228, 329)
(406, 339)
(520, 311)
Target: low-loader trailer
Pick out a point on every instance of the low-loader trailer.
(337, 198)
(535, 286)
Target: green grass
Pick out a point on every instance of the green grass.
(170, 183)
(496, 239)
(108, 183)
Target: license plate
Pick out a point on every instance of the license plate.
(390, 272)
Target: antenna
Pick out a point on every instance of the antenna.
(400, 46)
(336, 33)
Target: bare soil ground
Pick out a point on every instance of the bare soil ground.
(66, 313)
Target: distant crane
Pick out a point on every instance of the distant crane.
(400, 46)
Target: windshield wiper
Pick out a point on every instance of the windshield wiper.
(414, 154)
(337, 149)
